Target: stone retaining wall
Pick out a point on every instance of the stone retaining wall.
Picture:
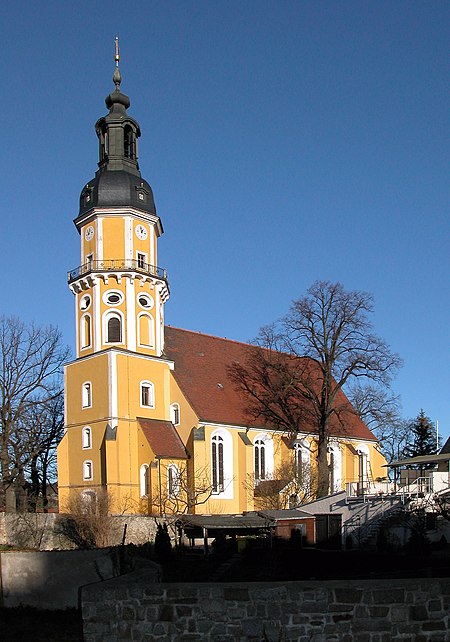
(42, 531)
(131, 608)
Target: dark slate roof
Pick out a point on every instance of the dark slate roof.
(117, 188)
(201, 363)
(291, 513)
(226, 522)
(424, 459)
(163, 438)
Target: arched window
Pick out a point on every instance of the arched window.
(144, 480)
(86, 437)
(88, 499)
(260, 459)
(147, 394)
(302, 461)
(263, 451)
(175, 414)
(85, 331)
(86, 394)
(363, 468)
(129, 147)
(146, 330)
(217, 463)
(335, 466)
(222, 464)
(88, 470)
(173, 480)
(114, 329)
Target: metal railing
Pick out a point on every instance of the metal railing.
(120, 265)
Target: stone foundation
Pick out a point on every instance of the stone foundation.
(131, 608)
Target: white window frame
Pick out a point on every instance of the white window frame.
(86, 438)
(263, 443)
(175, 414)
(141, 257)
(151, 388)
(83, 299)
(116, 314)
(224, 488)
(363, 466)
(83, 343)
(108, 293)
(144, 480)
(334, 449)
(148, 297)
(88, 470)
(151, 323)
(86, 394)
(173, 483)
(302, 454)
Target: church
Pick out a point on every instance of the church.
(151, 414)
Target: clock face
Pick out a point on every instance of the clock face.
(89, 233)
(141, 232)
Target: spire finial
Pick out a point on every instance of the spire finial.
(117, 78)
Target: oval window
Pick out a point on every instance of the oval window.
(113, 297)
(145, 301)
(85, 302)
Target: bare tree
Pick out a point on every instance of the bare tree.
(46, 426)
(89, 522)
(185, 490)
(380, 411)
(290, 485)
(31, 360)
(295, 381)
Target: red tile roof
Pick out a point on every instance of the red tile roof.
(201, 363)
(162, 438)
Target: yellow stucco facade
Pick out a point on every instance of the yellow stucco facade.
(132, 429)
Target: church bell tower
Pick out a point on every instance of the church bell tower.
(120, 373)
(119, 289)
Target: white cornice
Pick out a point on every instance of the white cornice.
(125, 352)
(119, 212)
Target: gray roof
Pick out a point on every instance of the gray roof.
(293, 513)
(118, 181)
(226, 522)
(424, 459)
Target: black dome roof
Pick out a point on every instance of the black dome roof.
(118, 181)
(117, 188)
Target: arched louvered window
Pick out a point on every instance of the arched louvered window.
(114, 329)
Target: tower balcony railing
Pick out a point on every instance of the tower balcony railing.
(117, 265)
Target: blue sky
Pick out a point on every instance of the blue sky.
(285, 142)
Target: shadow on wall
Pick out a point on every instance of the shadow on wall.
(51, 579)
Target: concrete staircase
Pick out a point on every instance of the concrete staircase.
(366, 518)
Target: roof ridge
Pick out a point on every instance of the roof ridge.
(213, 336)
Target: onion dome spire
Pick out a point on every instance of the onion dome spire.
(117, 98)
(118, 181)
(117, 78)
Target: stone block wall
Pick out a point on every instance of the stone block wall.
(42, 531)
(132, 608)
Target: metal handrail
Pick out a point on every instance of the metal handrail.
(128, 265)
